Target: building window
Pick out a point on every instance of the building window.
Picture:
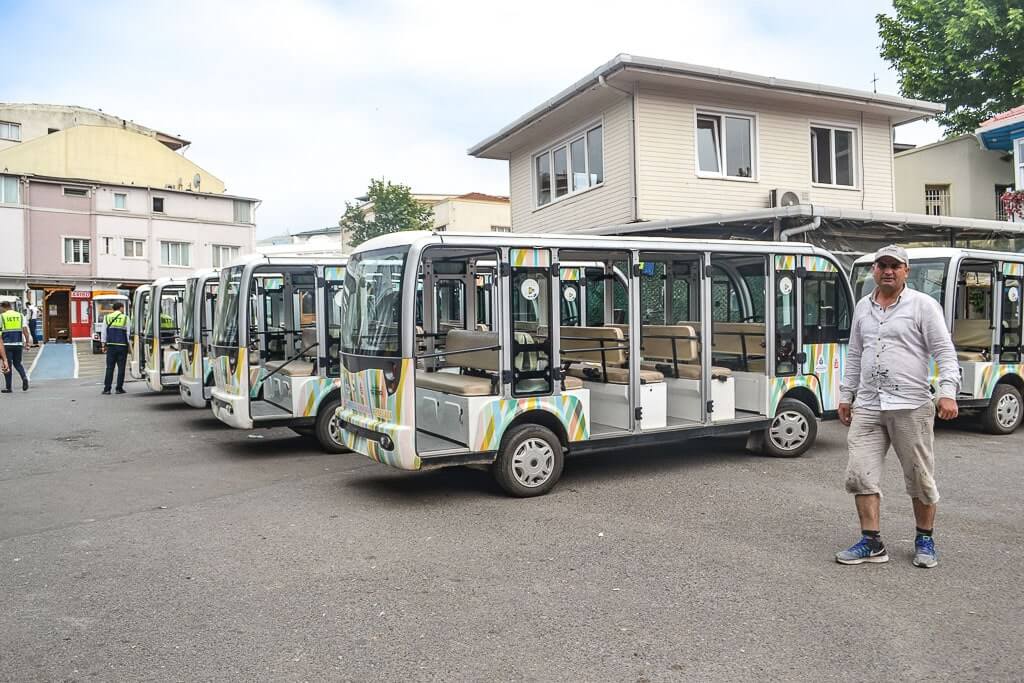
(243, 211)
(121, 201)
(76, 192)
(725, 145)
(936, 200)
(158, 204)
(134, 248)
(1001, 214)
(832, 159)
(569, 167)
(108, 244)
(223, 255)
(10, 131)
(441, 228)
(174, 254)
(501, 228)
(10, 190)
(76, 250)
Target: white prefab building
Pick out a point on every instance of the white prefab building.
(644, 139)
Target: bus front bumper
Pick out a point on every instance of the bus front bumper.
(230, 409)
(386, 442)
(156, 382)
(193, 392)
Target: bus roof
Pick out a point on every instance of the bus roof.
(949, 252)
(567, 241)
(289, 260)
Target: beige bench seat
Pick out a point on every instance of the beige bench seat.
(659, 342)
(450, 383)
(969, 337)
(592, 372)
(295, 368)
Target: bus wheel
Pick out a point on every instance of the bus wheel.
(1003, 414)
(327, 431)
(792, 431)
(529, 462)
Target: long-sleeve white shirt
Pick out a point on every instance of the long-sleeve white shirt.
(888, 364)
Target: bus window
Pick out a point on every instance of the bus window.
(683, 282)
(725, 299)
(926, 275)
(753, 275)
(1010, 346)
(450, 305)
(652, 293)
(570, 303)
(826, 309)
(595, 296)
(785, 323)
(531, 323)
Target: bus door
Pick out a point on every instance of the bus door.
(973, 316)
(1010, 318)
(826, 314)
(739, 369)
(594, 327)
(140, 311)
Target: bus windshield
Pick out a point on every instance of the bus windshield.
(372, 310)
(188, 326)
(926, 275)
(225, 322)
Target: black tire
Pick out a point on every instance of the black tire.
(793, 430)
(544, 460)
(304, 431)
(325, 425)
(1004, 411)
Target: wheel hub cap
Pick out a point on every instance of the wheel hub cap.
(1007, 411)
(533, 462)
(788, 431)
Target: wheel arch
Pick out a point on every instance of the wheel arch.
(544, 418)
(1014, 380)
(805, 396)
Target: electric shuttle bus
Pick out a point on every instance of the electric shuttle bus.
(980, 295)
(275, 345)
(161, 327)
(137, 349)
(515, 351)
(196, 381)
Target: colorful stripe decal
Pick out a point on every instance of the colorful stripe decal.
(1013, 269)
(529, 258)
(498, 415)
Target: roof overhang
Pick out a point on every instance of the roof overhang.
(1001, 134)
(625, 70)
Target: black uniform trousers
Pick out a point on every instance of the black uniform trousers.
(117, 356)
(14, 363)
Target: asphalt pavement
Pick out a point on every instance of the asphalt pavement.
(142, 540)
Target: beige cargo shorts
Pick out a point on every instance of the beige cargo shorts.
(910, 433)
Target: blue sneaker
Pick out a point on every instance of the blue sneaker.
(861, 552)
(924, 552)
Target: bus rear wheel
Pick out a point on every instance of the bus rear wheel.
(328, 433)
(1003, 414)
(529, 461)
(793, 430)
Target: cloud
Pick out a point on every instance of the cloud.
(300, 103)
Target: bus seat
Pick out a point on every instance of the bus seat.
(658, 341)
(295, 368)
(590, 338)
(309, 340)
(971, 339)
(462, 384)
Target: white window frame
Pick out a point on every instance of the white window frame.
(239, 202)
(152, 208)
(566, 142)
(1018, 160)
(4, 199)
(755, 137)
(114, 204)
(854, 154)
(217, 259)
(75, 190)
(175, 265)
(942, 199)
(64, 249)
(136, 242)
(11, 126)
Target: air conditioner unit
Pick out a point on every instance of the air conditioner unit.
(780, 197)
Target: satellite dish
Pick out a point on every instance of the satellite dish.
(195, 180)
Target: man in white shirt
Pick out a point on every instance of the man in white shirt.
(32, 313)
(896, 332)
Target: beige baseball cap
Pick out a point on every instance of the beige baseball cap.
(893, 251)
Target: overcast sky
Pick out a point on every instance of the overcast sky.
(300, 103)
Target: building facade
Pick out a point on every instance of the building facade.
(102, 208)
(1005, 133)
(641, 139)
(954, 177)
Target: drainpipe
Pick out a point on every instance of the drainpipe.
(800, 229)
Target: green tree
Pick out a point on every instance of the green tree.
(393, 209)
(967, 54)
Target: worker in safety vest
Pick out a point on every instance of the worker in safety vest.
(167, 327)
(114, 337)
(15, 335)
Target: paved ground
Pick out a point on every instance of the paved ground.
(141, 540)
